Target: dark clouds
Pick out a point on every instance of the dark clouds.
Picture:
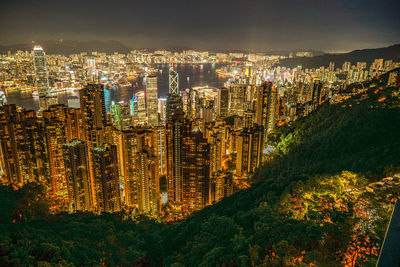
(208, 24)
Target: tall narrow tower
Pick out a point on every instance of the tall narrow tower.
(42, 80)
(152, 100)
(173, 82)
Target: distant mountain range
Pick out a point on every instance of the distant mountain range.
(364, 55)
(70, 47)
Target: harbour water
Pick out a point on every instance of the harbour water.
(190, 75)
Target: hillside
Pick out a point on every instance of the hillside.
(364, 55)
(70, 47)
(307, 206)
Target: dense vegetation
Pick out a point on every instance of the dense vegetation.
(306, 206)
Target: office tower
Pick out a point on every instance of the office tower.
(177, 128)
(23, 155)
(249, 145)
(94, 117)
(174, 100)
(140, 111)
(223, 102)
(106, 179)
(120, 116)
(316, 93)
(55, 138)
(42, 80)
(34, 133)
(162, 105)
(221, 186)
(127, 149)
(152, 100)
(173, 82)
(77, 175)
(74, 127)
(94, 121)
(160, 148)
(195, 171)
(148, 180)
(236, 99)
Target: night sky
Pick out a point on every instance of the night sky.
(339, 25)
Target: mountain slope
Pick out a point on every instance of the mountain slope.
(364, 55)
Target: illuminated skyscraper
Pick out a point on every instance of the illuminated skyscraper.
(140, 111)
(177, 128)
(106, 179)
(94, 116)
(173, 82)
(77, 175)
(42, 80)
(236, 99)
(174, 100)
(148, 181)
(23, 154)
(152, 100)
(249, 145)
(223, 102)
(195, 171)
(55, 138)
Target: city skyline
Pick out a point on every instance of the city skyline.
(331, 26)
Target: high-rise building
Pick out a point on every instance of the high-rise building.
(177, 128)
(77, 175)
(55, 138)
(174, 100)
(42, 80)
(223, 102)
(106, 179)
(94, 121)
(17, 160)
(162, 105)
(173, 82)
(249, 145)
(188, 163)
(152, 100)
(195, 171)
(236, 99)
(140, 111)
(148, 181)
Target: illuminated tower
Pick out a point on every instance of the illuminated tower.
(152, 100)
(77, 175)
(223, 102)
(127, 149)
(177, 128)
(249, 145)
(173, 82)
(42, 80)
(148, 181)
(195, 171)
(55, 138)
(11, 137)
(174, 100)
(140, 111)
(94, 118)
(106, 180)
(236, 99)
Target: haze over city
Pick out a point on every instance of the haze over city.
(206, 24)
